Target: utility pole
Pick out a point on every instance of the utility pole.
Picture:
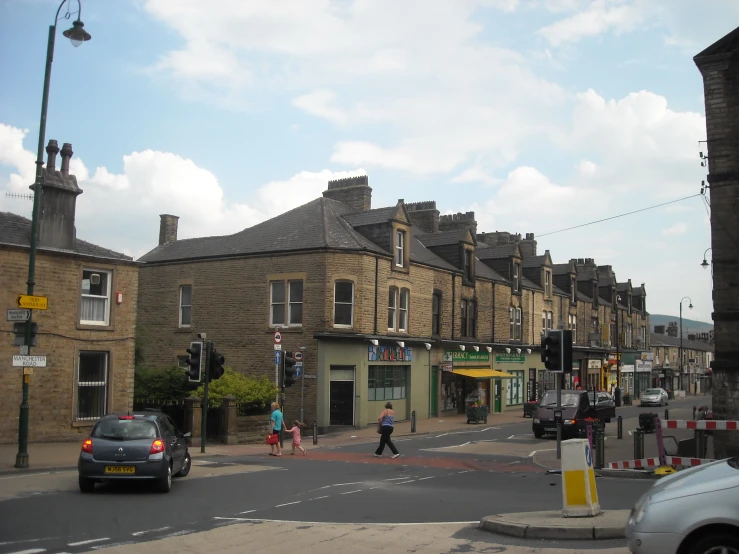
(206, 380)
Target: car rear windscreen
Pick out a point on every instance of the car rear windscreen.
(125, 429)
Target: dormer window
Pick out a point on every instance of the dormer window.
(573, 290)
(595, 294)
(630, 304)
(468, 267)
(516, 277)
(400, 248)
(547, 284)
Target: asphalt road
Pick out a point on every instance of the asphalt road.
(341, 484)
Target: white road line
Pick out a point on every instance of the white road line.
(396, 478)
(178, 533)
(32, 550)
(288, 504)
(461, 472)
(533, 453)
(424, 478)
(352, 492)
(80, 543)
(113, 544)
(235, 519)
(26, 475)
(316, 498)
(404, 482)
(139, 533)
(363, 524)
(247, 512)
(511, 436)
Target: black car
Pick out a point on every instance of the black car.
(142, 446)
(576, 406)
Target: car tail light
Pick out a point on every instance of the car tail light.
(87, 446)
(125, 417)
(156, 447)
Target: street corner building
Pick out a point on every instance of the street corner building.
(87, 331)
(396, 304)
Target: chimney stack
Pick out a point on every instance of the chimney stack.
(66, 156)
(58, 202)
(424, 215)
(51, 150)
(353, 191)
(167, 228)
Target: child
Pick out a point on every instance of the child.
(295, 430)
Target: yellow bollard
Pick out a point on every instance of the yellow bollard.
(579, 493)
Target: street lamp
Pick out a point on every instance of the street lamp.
(690, 306)
(77, 35)
(704, 263)
(618, 347)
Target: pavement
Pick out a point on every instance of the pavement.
(608, 524)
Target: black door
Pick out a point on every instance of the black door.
(342, 403)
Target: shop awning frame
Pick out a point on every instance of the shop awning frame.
(482, 373)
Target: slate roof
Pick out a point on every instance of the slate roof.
(370, 217)
(583, 297)
(16, 230)
(317, 224)
(525, 283)
(586, 273)
(559, 291)
(561, 269)
(666, 340)
(481, 270)
(422, 255)
(496, 252)
(638, 291)
(622, 287)
(534, 261)
(728, 44)
(443, 238)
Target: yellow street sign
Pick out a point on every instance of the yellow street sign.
(32, 302)
(27, 371)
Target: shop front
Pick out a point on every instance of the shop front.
(523, 373)
(355, 380)
(642, 376)
(465, 378)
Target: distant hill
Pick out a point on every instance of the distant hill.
(689, 325)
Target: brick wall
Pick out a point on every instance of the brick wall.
(52, 390)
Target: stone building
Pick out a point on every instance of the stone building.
(693, 375)
(396, 303)
(719, 67)
(87, 332)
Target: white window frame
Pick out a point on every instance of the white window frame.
(516, 278)
(343, 325)
(467, 262)
(550, 320)
(291, 303)
(519, 317)
(548, 284)
(104, 384)
(404, 310)
(573, 327)
(399, 248)
(392, 296)
(544, 323)
(181, 324)
(512, 329)
(573, 291)
(109, 279)
(272, 303)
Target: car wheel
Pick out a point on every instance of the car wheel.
(165, 484)
(538, 434)
(719, 543)
(86, 485)
(186, 465)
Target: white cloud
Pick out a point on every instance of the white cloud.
(600, 17)
(675, 230)
(319, 103)
(121, 211)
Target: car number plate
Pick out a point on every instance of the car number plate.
(120, 469)
(550, 429)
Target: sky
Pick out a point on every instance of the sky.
(538, 115)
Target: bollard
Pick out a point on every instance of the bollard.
(315, 432)
(579, 491)
(667, 414)
(413, 421)
(620, 427)
(600, 449)
(700, 444)
(693, 413)
(638, 444)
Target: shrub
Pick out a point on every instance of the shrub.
(245, 389)
(161, 385)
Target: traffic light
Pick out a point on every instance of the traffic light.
(556, 351)
(195, 361)
(288, 375)
(20, 333)
(216, 364)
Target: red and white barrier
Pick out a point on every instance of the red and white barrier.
(701, 425)
(681, 461)
(635, 464)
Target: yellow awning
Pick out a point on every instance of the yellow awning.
(483, 373)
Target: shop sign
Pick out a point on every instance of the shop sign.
(575, 366)
(510, 358)
(446, 366)
(466, 356)
(642, 365)
(627, 368)
(595, 364)
(647, 356)
(389, 354)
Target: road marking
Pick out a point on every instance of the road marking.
(113, 544)
(317, 498)
(288, 504)
(461, 472)
(199, 462)
(235, 519)
(352, 492)
(424, 478)
(80, 543)
(397, 478)
(139, 533)
(26, 475)
(404, 482)
(247, 512)
(179, 533)
(362, 523)
(533, 453)
(31, 551)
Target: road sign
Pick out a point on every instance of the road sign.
(298, 356)
(29, 361)
(24, 350)
(19, 315)
(32, 302)
(298, 367)
(278, 337)
(27, 371)
(277, 356)
(277, 346)
(297, 372)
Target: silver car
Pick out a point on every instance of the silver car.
(654, 397)
(694, 511)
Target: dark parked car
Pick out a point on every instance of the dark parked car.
(604, 405)
(142, 446)
(576, 408)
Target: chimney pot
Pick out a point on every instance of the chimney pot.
(66, 156)
(52, 150)
(167, 228)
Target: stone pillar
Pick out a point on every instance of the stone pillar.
(228, 423)
(193, 419)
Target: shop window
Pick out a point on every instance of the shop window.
(515, 388)
(387, 382)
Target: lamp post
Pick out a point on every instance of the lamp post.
(690, 306)
(77, 35)
(704, 263)
(618, 346)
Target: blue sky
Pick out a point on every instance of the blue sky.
(536, 114)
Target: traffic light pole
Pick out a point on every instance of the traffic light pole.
(206, 380)
(281, 378)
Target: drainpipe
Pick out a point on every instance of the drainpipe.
(493, 337)
(454, 302)
(377, 272)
